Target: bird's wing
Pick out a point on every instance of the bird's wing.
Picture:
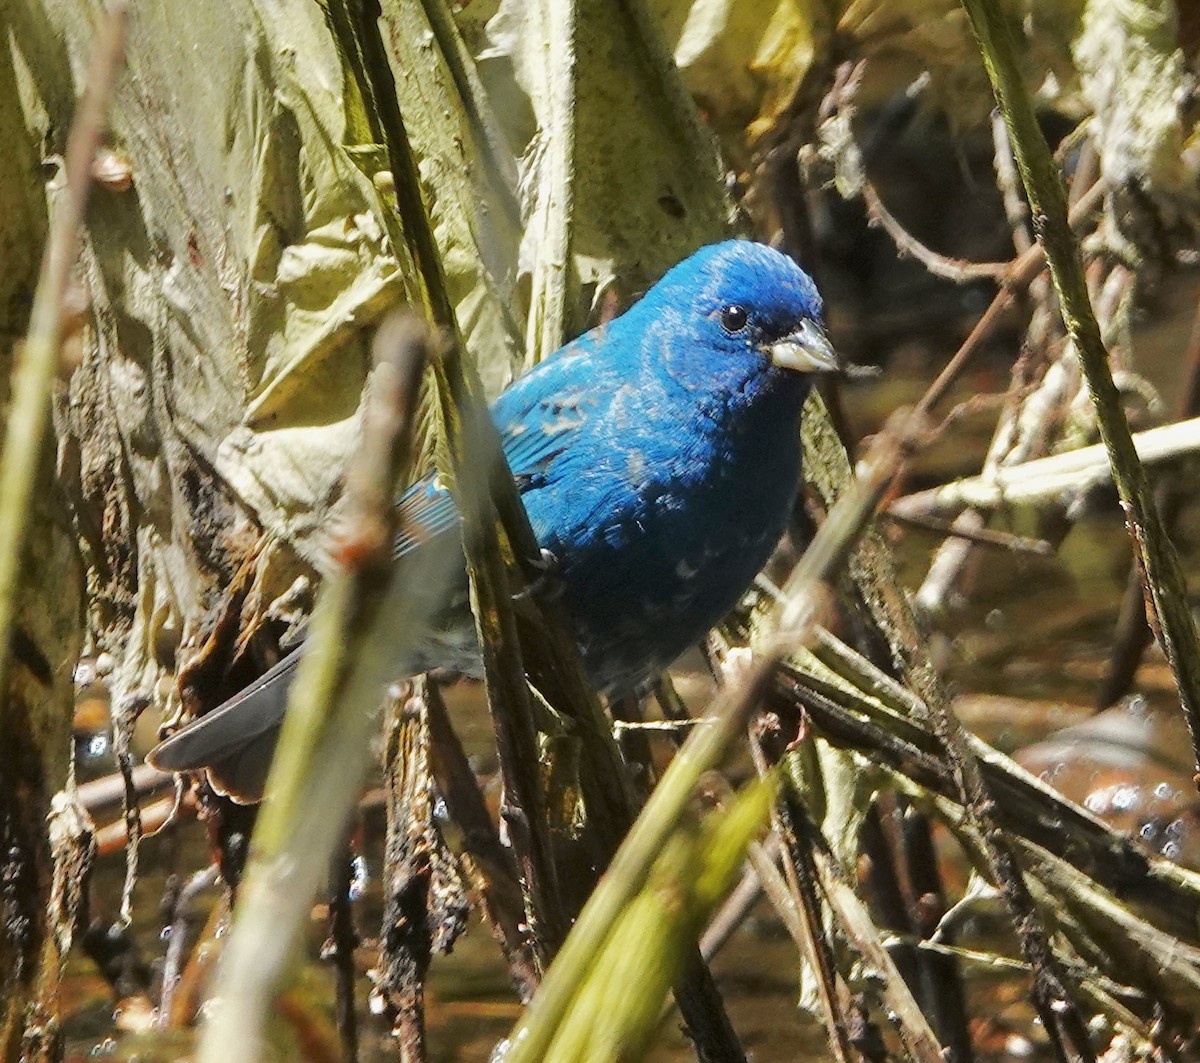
(235, 740)
(536, 417)
(539, 416)
(221, 739)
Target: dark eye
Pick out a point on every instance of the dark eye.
(734, 318)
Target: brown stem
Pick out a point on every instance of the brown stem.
(795, 896)
(1133, 636)
(982, 536)
(467, 807)
(339, 950)
(939, 974)
(957, 270)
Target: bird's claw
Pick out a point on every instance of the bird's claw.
(547, 583)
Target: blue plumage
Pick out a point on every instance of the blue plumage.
(658, 457)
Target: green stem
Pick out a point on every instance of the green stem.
(1159, 561)
(472, 444)
(37, 363)
(493, 514)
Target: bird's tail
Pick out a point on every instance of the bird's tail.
(234, 743)
(428, 611)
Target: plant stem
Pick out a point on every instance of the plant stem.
(1163, 575)
(369, 611)
(37, 363)
(471, 444)
(1051, 477)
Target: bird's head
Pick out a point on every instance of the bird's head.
(740, 316)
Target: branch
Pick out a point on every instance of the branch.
(1046, 478)
(958, 270)
(492, 513)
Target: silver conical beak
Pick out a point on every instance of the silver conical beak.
(807, 350)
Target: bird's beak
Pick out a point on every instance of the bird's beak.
(806, 350)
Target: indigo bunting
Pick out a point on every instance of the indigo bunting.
(658, 458)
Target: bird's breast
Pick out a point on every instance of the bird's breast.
(658, 537)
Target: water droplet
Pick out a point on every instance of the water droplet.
(1126, 797)
(360, 876)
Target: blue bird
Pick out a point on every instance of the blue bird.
(658, 458)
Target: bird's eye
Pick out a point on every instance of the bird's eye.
(734, 318)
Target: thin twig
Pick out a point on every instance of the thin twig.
(1015, 209)
(952, 269)
(1019, 435)
(667, 727)
(795, 895)
(194, 980)
(123, 721)
(425, 903)
(37, 362)
(702, 1008)
(940, 987)
(339, 950)
(739, 904)
(857, 925)
(1002, 540)
(632, 734)
(764, 862)
(1087, 163)
(182, 919)
(879, 878)
(493, 862)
